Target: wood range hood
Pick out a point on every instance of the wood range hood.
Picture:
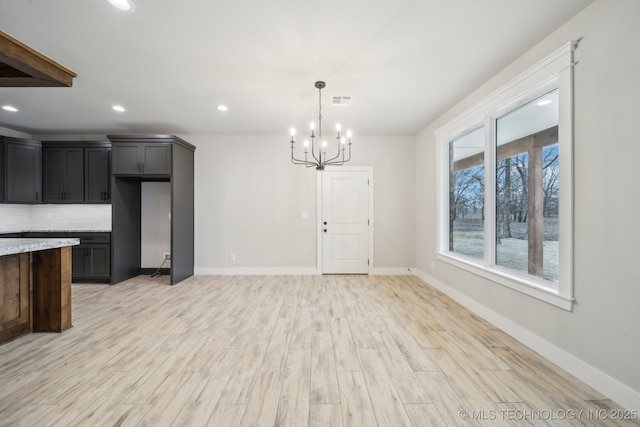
(21, 66)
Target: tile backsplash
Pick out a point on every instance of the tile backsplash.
(14, 218)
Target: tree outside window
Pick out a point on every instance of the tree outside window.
(527, 188)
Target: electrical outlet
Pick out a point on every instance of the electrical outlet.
(167, 256)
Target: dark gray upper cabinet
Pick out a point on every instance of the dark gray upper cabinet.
(63, 174)
(97, 163)
(21, 170)
(142, 159)
(77, 171)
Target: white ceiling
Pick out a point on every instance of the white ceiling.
(170, 63)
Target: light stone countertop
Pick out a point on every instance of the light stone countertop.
(10, 246)
(57, 231)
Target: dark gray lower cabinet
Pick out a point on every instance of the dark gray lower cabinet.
(90, 260)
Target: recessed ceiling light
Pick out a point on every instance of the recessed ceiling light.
(9, 108)
(118, 108)
(223, 108)
(126, 5)
(544, 102)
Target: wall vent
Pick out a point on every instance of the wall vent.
(342, 101)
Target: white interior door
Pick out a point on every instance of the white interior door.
(345, 222)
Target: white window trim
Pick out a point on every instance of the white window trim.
(556, 70)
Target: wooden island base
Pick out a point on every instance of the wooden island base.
(15, 290)
(52, 290)
(35, 292)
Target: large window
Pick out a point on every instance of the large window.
(505, 205)
(527, 188)
(466, 194)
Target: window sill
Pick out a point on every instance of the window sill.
(506, 278)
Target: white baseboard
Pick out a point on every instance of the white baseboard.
(605, 384)
(287, 271)
(255, 271)
(397, 271)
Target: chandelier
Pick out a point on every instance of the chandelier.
(315, 153)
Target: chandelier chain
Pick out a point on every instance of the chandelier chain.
(320, 113)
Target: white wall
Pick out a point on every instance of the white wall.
(394, 169)
(250, 200)
(602, 329)
(155, 198)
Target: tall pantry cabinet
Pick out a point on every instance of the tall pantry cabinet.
(138, 158)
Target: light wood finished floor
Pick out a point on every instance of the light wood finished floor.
(284, 351)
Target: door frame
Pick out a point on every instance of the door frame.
(320, 205)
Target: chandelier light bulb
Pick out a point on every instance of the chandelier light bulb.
(338, 127)
(306, 143)
(312, 126)
(349, 133)
(342, 140)
(292, 131)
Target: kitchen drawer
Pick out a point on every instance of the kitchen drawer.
(84, 236)
(87, 238)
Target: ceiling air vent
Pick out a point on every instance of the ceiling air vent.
(341, 101)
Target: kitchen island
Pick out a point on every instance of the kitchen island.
(35, 286)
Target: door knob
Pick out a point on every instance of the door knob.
(325, 230)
